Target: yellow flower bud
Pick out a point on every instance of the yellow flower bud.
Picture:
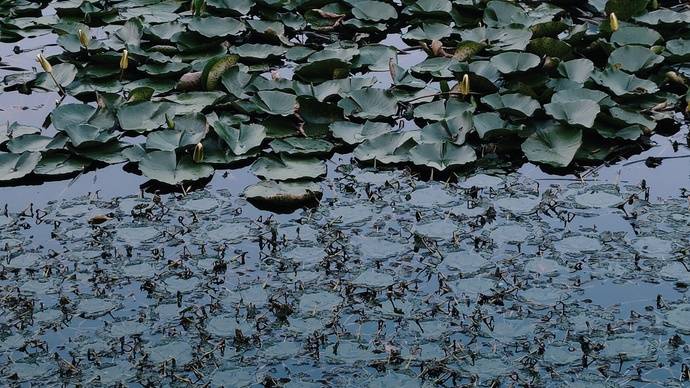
(44, 63)
(465, 85)
(84, 38)
(169, 122)
(613, 21)
(124, 60)
(198, 155)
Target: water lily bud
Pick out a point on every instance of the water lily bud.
(84, 38)
(672, 76)
(391, 68)
(169, 122)
(465, 85)
(613, 21)
(197, 7)
(44, 63)
(198, 155)
(124, 60)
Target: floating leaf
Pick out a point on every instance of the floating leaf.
(553, 144)
(16, 166)
(60, 163)
(276, 103)
(286, 167)
(166, 167)
(578, 112)
(633, 35)
(144, 116)
(634, 58)
(577, 70)
(622, 83)
(240, 139)
(354, 133)
(86, 135)
(373, 10)
(514, 103)
(369, 104)
(442, 155)
(301, 146)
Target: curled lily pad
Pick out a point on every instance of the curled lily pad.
(214, 69)
(284, 195)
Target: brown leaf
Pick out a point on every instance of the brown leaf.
(99, 219)
(328, 15)
(437, 48)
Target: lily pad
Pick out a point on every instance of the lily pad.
(166, 167)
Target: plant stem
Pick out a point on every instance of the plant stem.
(61, 90)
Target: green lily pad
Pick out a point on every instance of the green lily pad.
(442, 155)
(512, 62)
(577, 70)
(578, 112)
(354, 133)
(369, 104)
(276, 103)
(166, 167)
(553, 144)
(214, 27)
(286, 167)
(514, 103)
(16, 166)
(144, 116)
(634, 58)
(622, 83)
(373, 10)
(301, 146)
(633, 35)
(240, 139)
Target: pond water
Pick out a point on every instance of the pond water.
(511, 272)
